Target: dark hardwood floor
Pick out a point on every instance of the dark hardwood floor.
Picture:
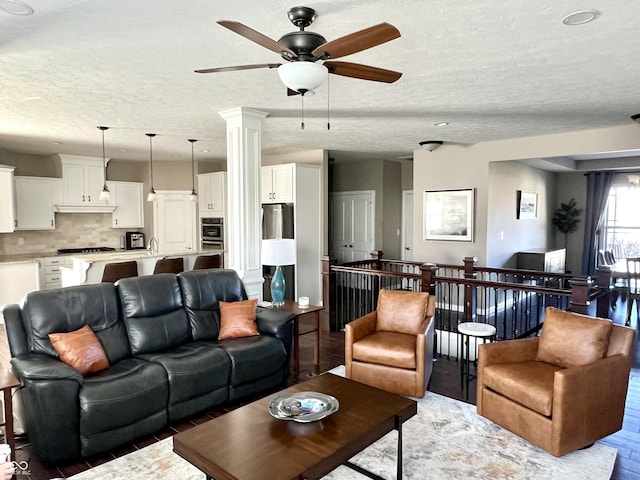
(445, 381)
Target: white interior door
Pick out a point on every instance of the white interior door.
(174, 225)
(352, 222)
(407, 225)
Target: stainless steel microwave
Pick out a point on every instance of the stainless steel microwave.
(212, 234)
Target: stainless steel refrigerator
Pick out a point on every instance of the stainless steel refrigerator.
(277, 222)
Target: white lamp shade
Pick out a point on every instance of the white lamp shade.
(302, 76)
(281, 251)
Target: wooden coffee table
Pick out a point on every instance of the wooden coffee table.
(248, 443)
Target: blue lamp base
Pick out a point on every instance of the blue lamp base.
(278, 287)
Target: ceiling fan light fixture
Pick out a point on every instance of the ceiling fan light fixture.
(430, 145)
(302, 76)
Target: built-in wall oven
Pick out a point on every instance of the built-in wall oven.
(212, 234)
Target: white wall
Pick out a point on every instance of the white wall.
(457, 166)
(506, 234)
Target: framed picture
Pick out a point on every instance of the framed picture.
(448, 214)
(527, 205)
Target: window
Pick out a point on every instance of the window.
(621, 231)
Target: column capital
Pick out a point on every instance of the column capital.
(240, 112)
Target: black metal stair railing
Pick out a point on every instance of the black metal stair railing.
(514, 301)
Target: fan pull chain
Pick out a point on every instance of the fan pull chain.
(328, 107)
(302, 112)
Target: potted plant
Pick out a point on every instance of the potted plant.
(566, 218)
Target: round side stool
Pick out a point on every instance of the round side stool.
(467, 330)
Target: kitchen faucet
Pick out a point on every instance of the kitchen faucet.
(152, 246)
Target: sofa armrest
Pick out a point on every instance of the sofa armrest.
(272, 321)
(595, 392)
(38, 366)
(279, 324)
(507, 351)
(354, 331)
(49, 395)
(16, 333)
(360, 327)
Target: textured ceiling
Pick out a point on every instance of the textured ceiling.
(492, 69)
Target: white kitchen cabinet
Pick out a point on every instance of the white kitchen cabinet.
(17, 279)
(35, 198)
(277, 182)
(7, 206)
(82, 179)
(212, 194)
(51, 272)
(174, 221)
(127, 197)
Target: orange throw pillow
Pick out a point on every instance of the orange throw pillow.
(238, 319)
(81, 350)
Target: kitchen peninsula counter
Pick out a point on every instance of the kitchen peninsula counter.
(88, 267)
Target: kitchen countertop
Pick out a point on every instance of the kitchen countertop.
(133, 254)
(25, 257)
(101, 256)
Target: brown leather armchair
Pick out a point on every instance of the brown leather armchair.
(392, 347)
(561, 391)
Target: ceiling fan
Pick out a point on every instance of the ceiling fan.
(310, 56)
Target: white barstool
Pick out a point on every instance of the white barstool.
(476, 330)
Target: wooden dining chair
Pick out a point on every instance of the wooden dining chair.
(633, 287)
(117, 270)
(208, 261)
(169, 265)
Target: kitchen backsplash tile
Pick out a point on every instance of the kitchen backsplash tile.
(72, 230)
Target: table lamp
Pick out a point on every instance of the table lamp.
(278, 252)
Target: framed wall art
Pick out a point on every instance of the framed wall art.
(449, 214)
(527, 205)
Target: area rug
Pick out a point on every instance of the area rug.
(446, 440)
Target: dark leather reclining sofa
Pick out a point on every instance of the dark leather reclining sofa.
(160, 335)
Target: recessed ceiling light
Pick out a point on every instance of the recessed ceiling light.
(57, 143)
(441, 124)
(124, 150)
(176, 156)
(580, 17)
(205, 151)
(15, 7)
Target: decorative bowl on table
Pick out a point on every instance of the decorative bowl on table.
(303, 406)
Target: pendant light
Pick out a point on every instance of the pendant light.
(152, 197)
(194, 195)
(105, 195)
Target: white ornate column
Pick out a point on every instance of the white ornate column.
(244, 150)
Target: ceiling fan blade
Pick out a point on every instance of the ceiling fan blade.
(291, 92)
(238, 67)
(257, 37)
(358, 41)
(365, 72)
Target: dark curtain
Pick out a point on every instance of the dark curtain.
(598, 186)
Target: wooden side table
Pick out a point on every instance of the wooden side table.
(7, 382)
(292, 307)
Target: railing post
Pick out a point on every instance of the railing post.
(376, 255)
(580, 294)
(603, 284)
(470, 292)
(428, 278)
(329, 290)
